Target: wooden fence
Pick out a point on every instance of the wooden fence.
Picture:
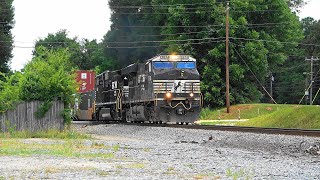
(23, 117)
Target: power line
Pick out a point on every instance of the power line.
(187, 12)
(254, 75)
(171, 5)
(269, 51)
(163, 5)
(173, 34)
(127, 42)
(131, 47)
(166, 41)
(155, 13)
(213, 25)
(282, 42)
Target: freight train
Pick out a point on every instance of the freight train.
(163, 89)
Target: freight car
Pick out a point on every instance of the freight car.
(163, 89)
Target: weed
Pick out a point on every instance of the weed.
(190, 166)
(103, 173)
(116, 148)
(170, 170)
(49, 170)
(119, 167)
(204, 176)
(11, 128)
(137, 166)
(98, 145)
(2, 178)
(146, 150)
(237, 174)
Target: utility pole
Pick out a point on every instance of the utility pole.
(227, 59)
(311, 77)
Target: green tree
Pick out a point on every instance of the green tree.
(60, 40)
(95, 58)
(48, 76)
(312, 37)
(257, 30)
(6, 39)
(85, 54)
(125, 42)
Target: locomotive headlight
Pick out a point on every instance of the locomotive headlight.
(168, 95)
(191, 94)
(174, 57)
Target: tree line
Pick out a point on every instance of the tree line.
(268, 44)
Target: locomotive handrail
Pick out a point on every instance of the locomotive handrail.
(201, 99)
(180, 103)
(156, 95)
(118, 101)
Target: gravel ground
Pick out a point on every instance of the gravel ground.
(168, 153)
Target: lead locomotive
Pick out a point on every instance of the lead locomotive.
(165, 88)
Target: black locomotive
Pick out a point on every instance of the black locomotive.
(165, 88)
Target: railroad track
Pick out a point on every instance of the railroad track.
(283, 131)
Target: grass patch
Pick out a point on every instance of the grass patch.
(247, 111)
(238, 174)
(266, 115)
(293, 116)
(63, 148)
(52, 134)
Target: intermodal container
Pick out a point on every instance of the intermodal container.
(85, 80)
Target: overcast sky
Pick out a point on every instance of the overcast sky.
(82, 18)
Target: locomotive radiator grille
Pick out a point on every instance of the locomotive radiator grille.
(176, 86)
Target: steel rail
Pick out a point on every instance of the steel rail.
(276, 131)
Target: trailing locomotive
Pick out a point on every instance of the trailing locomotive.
(165, 88)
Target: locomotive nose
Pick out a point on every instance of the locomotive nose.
(180, 111)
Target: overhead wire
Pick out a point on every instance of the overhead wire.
(137, 47)
(181, 4)
(165, 5)
(282, 42)
(309, 85)
(253, 74)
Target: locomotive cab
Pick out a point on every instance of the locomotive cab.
(176, 86)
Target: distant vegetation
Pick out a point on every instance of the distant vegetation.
(267, 115)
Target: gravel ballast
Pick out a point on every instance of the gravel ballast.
(169, 153)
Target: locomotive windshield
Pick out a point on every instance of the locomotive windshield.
(186, 65)
(163, 65)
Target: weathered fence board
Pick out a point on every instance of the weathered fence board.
(23, 117)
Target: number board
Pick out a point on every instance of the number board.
(164, 57)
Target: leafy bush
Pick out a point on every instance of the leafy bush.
(9, 91)
(47, 77)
